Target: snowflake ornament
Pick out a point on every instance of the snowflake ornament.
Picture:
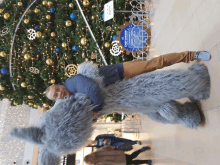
(32, 34)
(4, 31)
(115, 50)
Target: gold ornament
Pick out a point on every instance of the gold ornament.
(26, 21)
(20, 3)
(36, 10)
(49, 3)
(35, 106)
(68, 23)
(2, 88)
(86, 3)
(27, 56)
(1, 11)
(93, 6)
(23, 84)
(64, 45)
(39, 34)
(2, 54)
(93, 17)
(30, 97)
(83, 41)
(70, 70)
(93, 56)
(45, 105)
(50, 107)
(48, 17)
(52, 81)
(53, 34)
(107, 44)
(71, 5)
(15, 103)
(49, 61)
(44, 3)
(30, 104)
(86, 59)
(6, 16)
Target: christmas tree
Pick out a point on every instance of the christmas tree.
(51, 41)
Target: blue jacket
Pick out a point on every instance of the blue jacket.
(82, 84)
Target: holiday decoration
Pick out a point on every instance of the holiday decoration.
(83, 41)
(2, 88)
(6, 16)
(86, 3)
(20, 3)
(26, 21)
(4, 70)
(32, 34)
(68, 23)
(115, 50)
(107, 44)
(39, 34)
(70, 70)
(75, 48)
(64, 45)
(52, 10)
(53, 34)
(52, 81)
(48, 17)
(49, 3)
(1, 11)
(2, 54)
(30, 97)
(49, 61)
(39, 50)
(71, 5)
(36, 27)
(44, 3)
(114, 37)
(93, 17)
(15, 103)
(73, 16)
(93, 56)
(109, 28)
(36, 10)
(34, 70)
(57, 49)
(27, 56)
(4, 31)
(23, 84)
(130, 42)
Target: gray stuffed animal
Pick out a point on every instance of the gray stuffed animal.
(67, 126)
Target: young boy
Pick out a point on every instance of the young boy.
(112, 73)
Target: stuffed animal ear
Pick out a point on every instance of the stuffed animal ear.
(31, 134)
(47, 158)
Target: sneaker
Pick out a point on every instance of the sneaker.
(145, 148)
(139, 142)
(202, 55)
(149, 162)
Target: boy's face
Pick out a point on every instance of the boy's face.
(58, 92)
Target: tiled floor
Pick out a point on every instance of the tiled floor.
(180, 25)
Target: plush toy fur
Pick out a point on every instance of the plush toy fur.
(67, 126)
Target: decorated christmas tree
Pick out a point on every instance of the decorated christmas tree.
(50, 42)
